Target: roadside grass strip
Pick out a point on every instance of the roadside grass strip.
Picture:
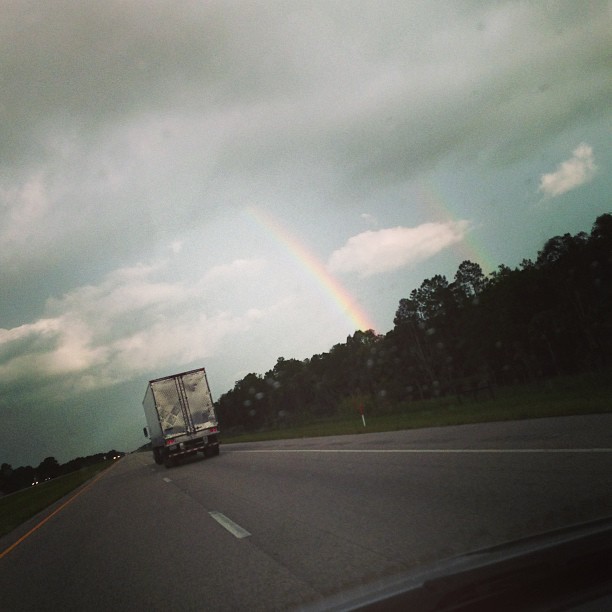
(18, 507)
(580, 395)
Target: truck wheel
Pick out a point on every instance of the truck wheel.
(167, 459)
(157, 456)
(211, 451)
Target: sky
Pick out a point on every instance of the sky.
(219, 184)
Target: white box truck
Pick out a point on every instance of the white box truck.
(181, 418)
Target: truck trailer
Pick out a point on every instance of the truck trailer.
(181, 418)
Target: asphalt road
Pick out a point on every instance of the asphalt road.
(303, 520)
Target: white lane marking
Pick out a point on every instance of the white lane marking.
(429, 450)
(233, 528)
(167, 479)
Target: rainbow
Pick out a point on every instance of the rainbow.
(331, 286)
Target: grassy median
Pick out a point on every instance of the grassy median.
(22, 505)
(585, 394)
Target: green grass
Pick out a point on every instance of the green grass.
(585, 394)
(22, 505)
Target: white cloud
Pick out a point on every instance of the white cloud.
(237, 267)
(74, 350)
(129, 323)
(576, 171)
(23, 209)
(376, 252)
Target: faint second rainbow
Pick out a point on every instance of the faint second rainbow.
(311, 264)
(436, 204)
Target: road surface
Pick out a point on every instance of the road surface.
(277, 525)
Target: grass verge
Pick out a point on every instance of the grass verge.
(585, 394)
(24, 504)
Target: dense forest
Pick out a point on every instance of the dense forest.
(25, 476)
(549, 317)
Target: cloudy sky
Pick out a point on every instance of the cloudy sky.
(222, 183)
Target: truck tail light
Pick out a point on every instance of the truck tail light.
(170, 441)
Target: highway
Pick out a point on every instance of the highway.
(277, 525)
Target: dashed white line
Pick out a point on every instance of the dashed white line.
(233, 528)
(167, 479)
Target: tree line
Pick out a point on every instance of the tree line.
(12, 480)
(547, 317)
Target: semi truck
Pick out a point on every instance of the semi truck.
(181, 418)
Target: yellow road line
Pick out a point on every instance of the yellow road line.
(69, 500)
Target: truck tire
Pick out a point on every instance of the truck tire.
(157, 456)
(211, 451)
(167, 460)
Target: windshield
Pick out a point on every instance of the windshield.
(361, 218)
